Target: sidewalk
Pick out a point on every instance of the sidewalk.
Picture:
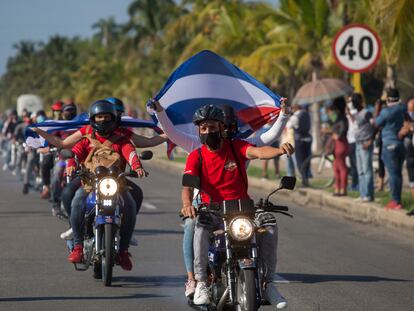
(347, 207)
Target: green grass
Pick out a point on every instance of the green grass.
(383, 197)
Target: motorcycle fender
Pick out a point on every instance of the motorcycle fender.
(247, 263)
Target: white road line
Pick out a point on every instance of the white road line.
(280, 280)
(149, 205)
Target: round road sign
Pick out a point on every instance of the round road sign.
(356, 48)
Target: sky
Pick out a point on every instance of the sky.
(37, 20)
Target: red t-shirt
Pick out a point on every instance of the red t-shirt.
(122, 146)
(220, 177)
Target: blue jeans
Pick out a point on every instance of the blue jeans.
(188, 249)
(77, 218)
(365, 171)
(353, 170)
(393, 157)
(290, 166)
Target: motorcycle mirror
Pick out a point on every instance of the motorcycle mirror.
(146, 155)
(191, 181)
(287, 182)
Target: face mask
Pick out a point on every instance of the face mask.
(40, 119)
(411, 114)
(104, 127)
(212, 140)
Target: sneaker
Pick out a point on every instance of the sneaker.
(25, 188)
(190, 287)
(201, 294)
(410, 212)
(133, 241)
(274, 297)
(393, 205)
(76, 256)
(125, 261)
(67, 235)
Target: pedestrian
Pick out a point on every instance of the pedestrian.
(300, 122)
(339, 130)
(391, 119)
(364, 138)
(406, 133)
(379, 105)
(351, 111)
(265, 163)
(288, 137)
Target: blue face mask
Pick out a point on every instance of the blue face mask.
(411, 114)
(40, 119)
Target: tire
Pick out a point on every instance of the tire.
(246, 291)
(322, 171)
(108, 254)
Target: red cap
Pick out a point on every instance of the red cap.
(57, 106)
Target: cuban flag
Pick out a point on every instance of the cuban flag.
(207, 78)
(35, 141)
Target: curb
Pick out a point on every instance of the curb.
(370, 213)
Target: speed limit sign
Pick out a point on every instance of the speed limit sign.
(356, 48)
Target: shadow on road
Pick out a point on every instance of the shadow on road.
(63, 298)
(156, 231)
(149, 281)
(320, 278)
(25, 213)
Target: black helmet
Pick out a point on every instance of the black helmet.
(208, 112)
(119, 105)
(230, 121)
(99, 107)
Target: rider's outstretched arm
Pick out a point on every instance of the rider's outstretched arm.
(66, 143)
(184, 140)
(274, 133)
(145, 142)
(267, 152)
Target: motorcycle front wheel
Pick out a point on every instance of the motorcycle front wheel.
(108, 254)
(246, 291)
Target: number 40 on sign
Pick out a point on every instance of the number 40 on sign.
(356, 48)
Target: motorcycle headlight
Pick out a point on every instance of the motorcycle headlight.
(108, 186)
(241, 229)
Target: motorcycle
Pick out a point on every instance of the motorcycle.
(235, 270)
(103, 219)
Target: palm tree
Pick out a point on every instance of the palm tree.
(393, 20)
(108, 30)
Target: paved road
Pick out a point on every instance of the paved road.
(330, 263)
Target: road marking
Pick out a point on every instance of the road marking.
(149, 205)
(280, 280)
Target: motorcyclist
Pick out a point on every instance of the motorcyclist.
(32, 161)
(7, 133)
(47, 164)
(223, 177)
(69, 111)
(191, 142)
(103, 120)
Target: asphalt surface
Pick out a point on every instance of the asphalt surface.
(325, 262)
